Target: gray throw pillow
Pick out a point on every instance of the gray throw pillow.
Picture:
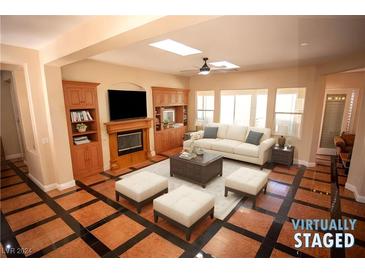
(210, 132)
(254, 137)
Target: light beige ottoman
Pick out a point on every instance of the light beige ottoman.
(247, 182)
(141, 188)
(184, 207)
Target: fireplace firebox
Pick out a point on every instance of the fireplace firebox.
(130, 141)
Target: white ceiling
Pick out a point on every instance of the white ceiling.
(252, 42)
(36, 31)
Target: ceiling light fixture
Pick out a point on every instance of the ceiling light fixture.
(224, 65)
(205, 69)
(304, 44)
(175, 47)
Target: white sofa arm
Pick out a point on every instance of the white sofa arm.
(267, 144)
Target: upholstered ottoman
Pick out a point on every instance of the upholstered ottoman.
(247, 182)
(141, 188)
(184, 207)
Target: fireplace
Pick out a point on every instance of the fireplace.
(130, 141)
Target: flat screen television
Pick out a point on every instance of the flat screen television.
(127, 104)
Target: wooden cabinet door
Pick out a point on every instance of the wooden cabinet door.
(88, 98)
(186, 98)
(74, 97)
(94, 161)
(80, 160)
(180, 98)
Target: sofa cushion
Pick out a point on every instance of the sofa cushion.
(265, 131)
(222, 129)
(205, 143)
(237, 133)
(210, 132)
(225, 145)
(247, 149)
(254, 137)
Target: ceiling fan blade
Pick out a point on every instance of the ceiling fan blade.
(223, 70)
(189, 70)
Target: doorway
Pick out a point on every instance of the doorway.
(338, 116)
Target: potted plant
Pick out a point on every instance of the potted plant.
(165, 123)
(81, 127)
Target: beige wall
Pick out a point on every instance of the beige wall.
(9, 132)
(271, 80)
(60, 146)
(109, 75)
(40, 160)
(356, 178)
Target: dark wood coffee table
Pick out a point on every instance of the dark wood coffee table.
(200, 170)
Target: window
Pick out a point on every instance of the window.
(244, 107)
(289, 108)
(205, 106)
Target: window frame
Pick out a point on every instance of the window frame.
(290, 113)
(204, 93)
(253, 92)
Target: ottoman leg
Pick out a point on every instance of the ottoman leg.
(212, 213)
(116, 196)
(139, 207)
(225, 192)
(188, 234)
(254, 203)
(155, 217)
(265, 189)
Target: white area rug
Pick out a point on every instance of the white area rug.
(223, 205)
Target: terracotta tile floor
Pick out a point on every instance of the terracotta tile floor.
(14, 190)
(286, 238)
(118, 172)
(19, 202)
(252, 220)
(29, 216)
(7, 173)
(44, 235)
(229, 244)
(277, 188)
(74, 249)
(93, 213)
(313, 198)
(10, 181)
(353, 207)
(75, 199)
(355, 252)
(346, 193)
(317, 175)
(279, 254)
(153, 246)
(223, 241)
(93, 179)
(299, 211)
(268, 202)
(315, 185)
(117, 231)
(279, 177)
(56, 192)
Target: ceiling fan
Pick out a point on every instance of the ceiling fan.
(205, 69)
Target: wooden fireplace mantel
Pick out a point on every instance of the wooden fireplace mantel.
(123, 161)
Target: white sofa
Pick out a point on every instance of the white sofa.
(230, 143)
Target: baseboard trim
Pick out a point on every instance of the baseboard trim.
(359, 198)
(53, 186)
(304, 163)
(14, 156)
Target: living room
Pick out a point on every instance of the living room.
(254, 130)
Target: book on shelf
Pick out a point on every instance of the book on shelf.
(81, 116)
(81, 140)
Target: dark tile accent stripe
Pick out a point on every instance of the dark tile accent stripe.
(23, 208)
(291, 251)
(21, 230)
(4, 187)
(93, 201)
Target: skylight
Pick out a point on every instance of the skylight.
(175, 47)
(224, 65)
